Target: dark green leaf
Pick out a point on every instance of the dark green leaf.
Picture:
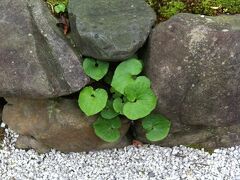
(108, 112)
(95, 69)
(118, 105)
(137, 88)
(108, 129)
(141, 98)
(92, 102)
(156, 126)
(124, 74)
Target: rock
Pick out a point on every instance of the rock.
(2, 103)
(28, 142)
(209, 138)
(59, 124)
(35, 58)
(193, 62)
(110, 30)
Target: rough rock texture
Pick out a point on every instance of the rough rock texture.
(110, 30)
(35, 59)
(196, 136)
(194, 64)
(59, 124)
(2, 103)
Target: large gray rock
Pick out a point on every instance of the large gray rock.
(194, 64)
(35, 59)
(110, 29)
(59, 124)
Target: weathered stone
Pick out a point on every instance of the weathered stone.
(193, 62)
(110, 30)
(35, 59)
(28, 142)
(59, 124)
(2, 103)
(202, 137)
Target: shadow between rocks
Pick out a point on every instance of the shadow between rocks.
(2, 103)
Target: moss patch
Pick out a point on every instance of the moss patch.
(171, 8)
(167, 8)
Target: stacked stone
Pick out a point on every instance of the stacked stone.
(39, 65)
(192, 61)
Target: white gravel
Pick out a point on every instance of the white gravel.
(147, 162)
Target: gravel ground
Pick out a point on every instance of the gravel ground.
(146, 162)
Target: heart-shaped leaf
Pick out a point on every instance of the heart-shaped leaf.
(95, 69)
(118, 105)
(125, 73)
(92, 102)
(141, 107)
(108, 112)
(141, 99)
(60, 8)
(156, 126)
(137, 88)
(107, 129)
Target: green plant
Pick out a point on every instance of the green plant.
(156, 126)
(125, 74)
(108, 112)
(58, 6)
(95, 69)
(140, 99)
(92, 101)
(130, 95)
(107, 129)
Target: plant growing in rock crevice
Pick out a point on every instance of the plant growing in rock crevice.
(156, 126)
(107, 129)
(130, 95)
(95, 69)
(57, 6)
(92, 101)
(59, 10)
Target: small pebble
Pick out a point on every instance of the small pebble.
(3, 125)
(145, 162)
(225, 30)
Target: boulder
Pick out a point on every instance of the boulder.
(35, 59)
(193, 62)
(110, 30)
(58, 124)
